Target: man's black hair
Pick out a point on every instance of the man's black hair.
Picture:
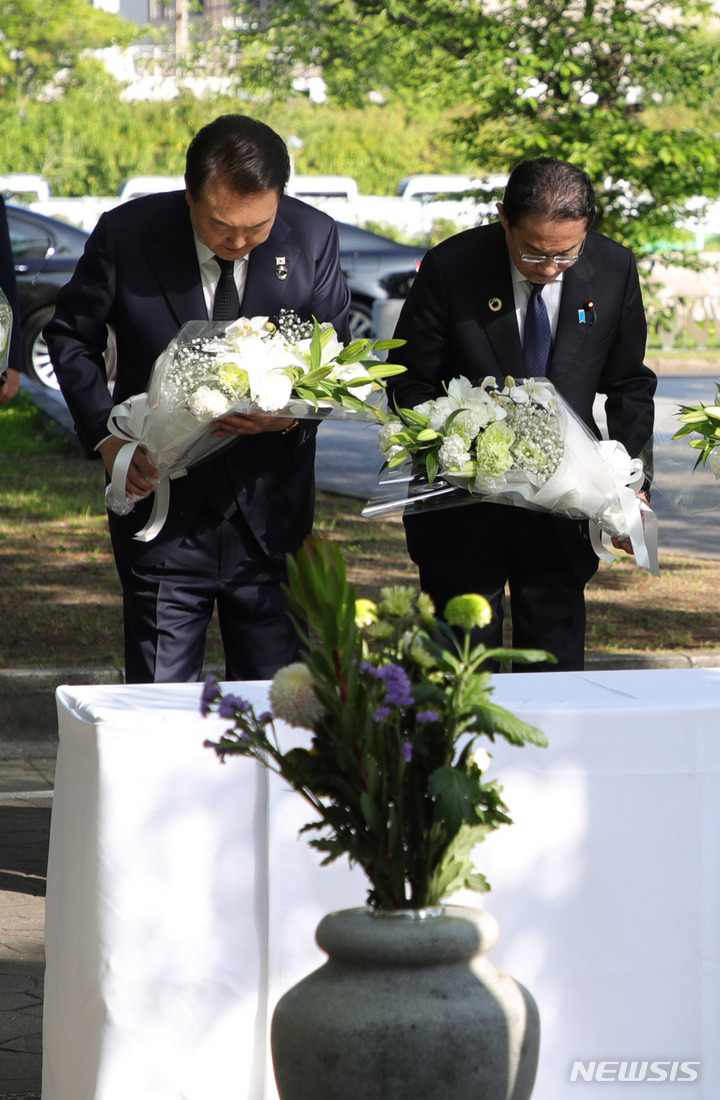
(246, 154)
(557, 190)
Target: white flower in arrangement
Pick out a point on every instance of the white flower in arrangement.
(293, 697)
(208, 403)
(385, 438)
(471, 421)
(454, 453)
(271, 391)
(347, 374)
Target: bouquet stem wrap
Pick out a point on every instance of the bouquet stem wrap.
(291, 368)
(523, 446)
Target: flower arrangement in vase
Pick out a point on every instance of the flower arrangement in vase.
(397, 702)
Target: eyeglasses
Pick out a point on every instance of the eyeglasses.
(559, 261)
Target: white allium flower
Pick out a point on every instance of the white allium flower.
(207, 403)
(293, 698)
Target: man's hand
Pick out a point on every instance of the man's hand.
(625, 544)
(250, 424)
(141, 475)
(11, 387)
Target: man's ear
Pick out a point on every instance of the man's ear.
(501, 211)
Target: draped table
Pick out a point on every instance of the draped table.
(181, 903)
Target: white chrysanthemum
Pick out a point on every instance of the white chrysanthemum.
(207, 403)
(453, 452)
(293, 698)
(714, 462)
(388, 449)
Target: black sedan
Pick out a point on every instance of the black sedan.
(46, 250)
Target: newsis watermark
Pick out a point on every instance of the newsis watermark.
(677, 1072)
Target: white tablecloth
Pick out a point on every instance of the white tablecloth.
(181, 903)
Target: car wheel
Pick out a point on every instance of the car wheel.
(38, 364)
(360, 320)
(35, 351)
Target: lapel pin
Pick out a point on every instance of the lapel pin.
(281, 271)
(587, 314)
(495, 304)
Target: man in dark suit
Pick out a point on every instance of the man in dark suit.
(150, 266)
(536, 294)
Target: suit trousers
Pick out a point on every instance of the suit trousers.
(484, 547)
(168, 606)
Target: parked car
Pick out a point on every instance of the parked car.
(46, 251)
(375, 267)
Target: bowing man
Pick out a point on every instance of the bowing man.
(536, 294)
(231, 244)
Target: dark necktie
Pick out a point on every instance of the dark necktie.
(537, 338)
(226, 306)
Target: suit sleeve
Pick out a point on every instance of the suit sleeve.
(331, 295)
(77, 338)
(629, 385)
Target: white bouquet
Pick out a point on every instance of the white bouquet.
(520, 445)
(290, 368)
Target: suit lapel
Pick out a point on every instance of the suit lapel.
(173, 258)
(571, 333)
(496, 308)
(270, 269)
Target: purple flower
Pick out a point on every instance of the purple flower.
(265, 718)
(407, 751)
(381, 714)
(229, 704)
(397, 686)
(427, 716)
(210, 693)
(368, 669)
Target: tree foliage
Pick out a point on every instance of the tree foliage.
(598, 82)
(40, 39)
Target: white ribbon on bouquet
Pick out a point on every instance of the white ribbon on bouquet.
(128, 421)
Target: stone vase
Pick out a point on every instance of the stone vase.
(406, 1008)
